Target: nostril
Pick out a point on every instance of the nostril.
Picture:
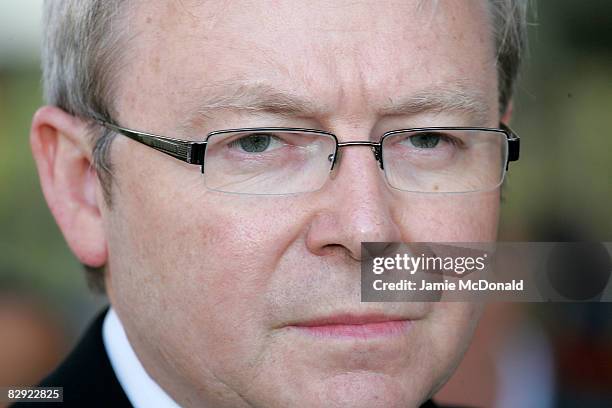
(339, 250)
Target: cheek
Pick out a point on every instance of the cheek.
(197, 268)
(446, 336)
(173, 226)
(450, 218)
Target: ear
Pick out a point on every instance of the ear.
(507, 116)
(61, 149)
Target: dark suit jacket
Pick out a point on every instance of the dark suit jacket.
(88, 377)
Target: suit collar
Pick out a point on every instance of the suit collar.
(87, 375)
(139, 387)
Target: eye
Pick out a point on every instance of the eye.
(254, 143)
(425, 140)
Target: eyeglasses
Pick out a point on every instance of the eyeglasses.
(278, 160)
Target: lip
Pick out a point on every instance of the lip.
(354, 326)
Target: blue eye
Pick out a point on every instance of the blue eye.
(255, 143)
(425, 140)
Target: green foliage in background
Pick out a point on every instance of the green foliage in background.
(33, 253)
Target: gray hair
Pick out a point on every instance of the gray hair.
(509, 19)
(82, 57)
(81, 60)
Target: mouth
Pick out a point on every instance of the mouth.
(354, 326)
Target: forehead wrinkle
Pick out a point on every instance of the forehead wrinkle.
(250, 97)
(457, 98)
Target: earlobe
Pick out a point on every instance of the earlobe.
(61, 148)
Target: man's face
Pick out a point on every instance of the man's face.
(212, 287)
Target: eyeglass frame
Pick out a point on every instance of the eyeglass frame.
(193, 152)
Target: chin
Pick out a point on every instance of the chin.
(362, 389)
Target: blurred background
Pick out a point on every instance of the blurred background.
(524, 355)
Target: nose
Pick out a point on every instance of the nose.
(355, 206)
(375, 147)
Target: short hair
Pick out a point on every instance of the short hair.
(82, 57)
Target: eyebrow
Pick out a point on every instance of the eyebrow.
(257, 97)
(454, 98)
(252, 97)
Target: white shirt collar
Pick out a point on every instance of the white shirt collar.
(140, 388)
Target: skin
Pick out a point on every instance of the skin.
(205, 283)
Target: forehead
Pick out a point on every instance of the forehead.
(349, 56)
